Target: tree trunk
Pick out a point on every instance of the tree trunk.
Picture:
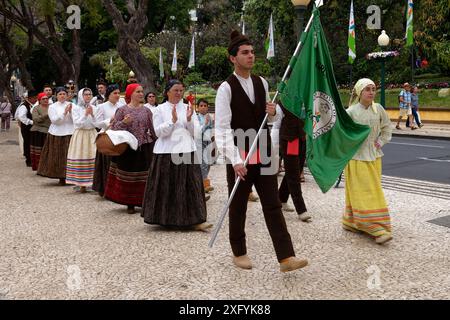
(130, 52)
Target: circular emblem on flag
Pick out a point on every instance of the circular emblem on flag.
(324, 117)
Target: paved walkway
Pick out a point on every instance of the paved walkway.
(439, 131)
(59, 244)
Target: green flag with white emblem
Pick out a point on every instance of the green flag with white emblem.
(311, 94)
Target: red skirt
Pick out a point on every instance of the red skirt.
(127, 176)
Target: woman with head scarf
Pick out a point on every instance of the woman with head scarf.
(39, 130)
(366, 208)
(174, 194)
(128, 172)
(104, 114)
(81, 154)
(54, 153)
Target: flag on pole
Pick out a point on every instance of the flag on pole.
(409, 24)
(351, 37)
(174, 60)
(161, 64)
(269, 44)
(192, 53)
(243, 25)
(311, 94)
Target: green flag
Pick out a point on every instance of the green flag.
(311, 94)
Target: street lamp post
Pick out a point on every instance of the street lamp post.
(300, 8)
(13, 82)
(383, 41)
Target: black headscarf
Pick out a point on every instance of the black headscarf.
(110, 89)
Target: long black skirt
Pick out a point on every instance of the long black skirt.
(102, 164)
(127, 176)
(53, 160)
(174, 194)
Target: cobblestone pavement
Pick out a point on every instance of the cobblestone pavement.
(59, 244)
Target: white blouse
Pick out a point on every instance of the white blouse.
(175, 137)
(80, 120)
(62, 125)
(104, 112)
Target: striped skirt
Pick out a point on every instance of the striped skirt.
(174, 194)
(37, 141)
(102, 163)
(127, 176)
(81, 158)
(53, 161)
(366, 208)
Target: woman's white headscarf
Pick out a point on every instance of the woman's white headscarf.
(358, 88)
(80, 100)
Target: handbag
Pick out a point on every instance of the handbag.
(106, 147)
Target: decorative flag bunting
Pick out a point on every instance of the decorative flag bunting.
(409, 24)
(192, 53)
(161, 64)
(351, 37)
(269, 44)
(174, 60)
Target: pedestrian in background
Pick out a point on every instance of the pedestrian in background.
(404, 98)
(366, 208)
(415, 105)
(5, 114)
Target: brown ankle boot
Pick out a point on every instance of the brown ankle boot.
(242, 262)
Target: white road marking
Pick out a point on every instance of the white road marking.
(418, 145)
(435, 160)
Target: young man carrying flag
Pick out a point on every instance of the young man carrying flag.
(241, 106)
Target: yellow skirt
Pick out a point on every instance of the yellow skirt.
(365, 206)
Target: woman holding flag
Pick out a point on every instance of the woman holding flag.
(366, 208)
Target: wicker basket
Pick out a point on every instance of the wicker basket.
(106, 147)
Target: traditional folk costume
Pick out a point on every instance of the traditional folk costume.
(287, 133)
(54, 153)
(128, 172)
(82, 149)
(26, 122)
(203, 142)
(366, 208)
(103, 115)
(39, 130)
(174, 194)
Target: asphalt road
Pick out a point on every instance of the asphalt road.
(421, 159)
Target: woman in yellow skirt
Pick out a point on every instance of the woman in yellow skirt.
(366, 209)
